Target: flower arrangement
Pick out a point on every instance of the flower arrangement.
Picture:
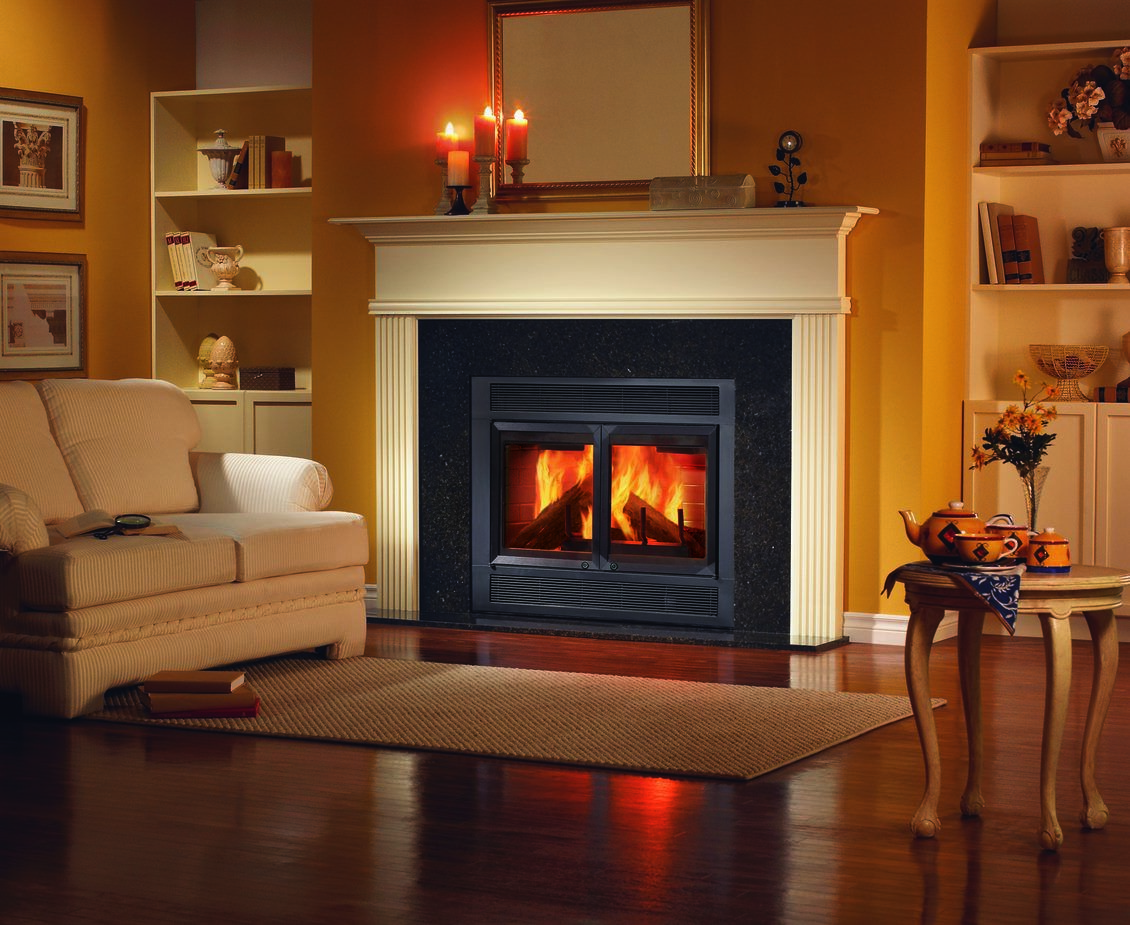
(1020, 438)
(1097, 94)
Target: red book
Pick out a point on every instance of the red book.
(1029, 256)
(213, 713)
(1008, 249)
(242, 701)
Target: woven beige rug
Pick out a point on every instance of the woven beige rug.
(605, 721)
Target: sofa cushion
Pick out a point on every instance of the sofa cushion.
(125, 442)
(286, 544)
(29, 458)
(86, 571)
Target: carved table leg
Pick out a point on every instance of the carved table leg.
(919, 638)
(1104, 642)
(970, 625)
(1057, 653)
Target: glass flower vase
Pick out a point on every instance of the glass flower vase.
(1032, 484)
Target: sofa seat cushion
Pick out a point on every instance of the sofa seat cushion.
(288, 543)
(125, 442)
(29, 458)
(86, 571)
(180, 611)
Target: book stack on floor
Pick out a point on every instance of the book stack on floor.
(199, 694)
(1015, 153)
(1013, 254)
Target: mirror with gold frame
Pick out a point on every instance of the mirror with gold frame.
(615, 94)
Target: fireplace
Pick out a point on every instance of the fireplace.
(603, 500)
(451, 293)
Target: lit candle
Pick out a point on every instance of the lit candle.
(485, 126)
(446, 141)
(458, 168)
(516, 132)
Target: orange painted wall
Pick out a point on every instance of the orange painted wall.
(386, 78)
(112, 53)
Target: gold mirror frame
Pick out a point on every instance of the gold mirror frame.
(698, 162)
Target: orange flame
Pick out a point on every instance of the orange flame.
(557, 472)
(651, 476)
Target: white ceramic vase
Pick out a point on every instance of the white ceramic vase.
(224, 262)
(1116, 251)
(1114, 143)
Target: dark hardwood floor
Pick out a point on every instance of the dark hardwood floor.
(119, 824)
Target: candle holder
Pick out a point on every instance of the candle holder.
(485, 202)
(518, 169)
(444, 202)
(458, 206)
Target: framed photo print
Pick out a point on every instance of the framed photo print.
(42, 315)
(40, 156)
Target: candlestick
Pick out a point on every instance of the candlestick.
(458, 168)
(486, 133)
(458, 206)
(517, 169)
(485, 201)
(517, 130)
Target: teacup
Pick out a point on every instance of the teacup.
(985, 548)
(1019, 532)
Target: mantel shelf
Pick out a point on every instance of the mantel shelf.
(1031, 288)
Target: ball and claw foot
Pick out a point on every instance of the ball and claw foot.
(1051, 839)
(972, 805)
(925, 827)
(1095, 817)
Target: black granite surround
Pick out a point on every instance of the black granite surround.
(756, 354)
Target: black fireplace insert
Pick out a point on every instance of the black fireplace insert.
(603, 499)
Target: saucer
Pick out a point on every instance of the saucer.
(999, 566)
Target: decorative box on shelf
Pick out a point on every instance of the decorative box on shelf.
(729, 191)
(267, 378)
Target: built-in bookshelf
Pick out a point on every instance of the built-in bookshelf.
(268, 317)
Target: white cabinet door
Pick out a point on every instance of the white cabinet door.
(1112, 486)
(1068, 501)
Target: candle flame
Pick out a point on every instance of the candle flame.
(449, 131)
(488, 113)
(518, 114)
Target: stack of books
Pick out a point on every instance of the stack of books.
(1015, 153)
(199, 694)
(251, 168)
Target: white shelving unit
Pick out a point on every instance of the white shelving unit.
(1012, 88)
(268, 318)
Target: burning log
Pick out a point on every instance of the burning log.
(551, 529)
(652, 526)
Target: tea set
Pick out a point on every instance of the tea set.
(954, 536)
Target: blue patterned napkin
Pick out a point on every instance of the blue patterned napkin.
(998, 588)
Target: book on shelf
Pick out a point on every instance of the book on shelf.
(198, 681)
(1120, 392)
(191, 272)
(1029, 255)
(242, 701)
(260, 149)
(237, 178)
(1014, 147)
(990, 235)
(1031, 159)
(1008, 248)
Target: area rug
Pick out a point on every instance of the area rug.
(671, 728)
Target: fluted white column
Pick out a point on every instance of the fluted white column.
(397, 517)
(818, 408)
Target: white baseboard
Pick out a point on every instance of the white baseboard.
(885, 629)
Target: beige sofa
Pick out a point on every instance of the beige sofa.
(259, 568)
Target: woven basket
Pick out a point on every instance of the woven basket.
(1069, 363)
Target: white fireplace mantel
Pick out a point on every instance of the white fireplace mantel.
(742, 263)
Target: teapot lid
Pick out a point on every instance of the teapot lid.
(1048, 536)
(955, 509)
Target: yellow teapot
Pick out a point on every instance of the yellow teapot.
(936, 535)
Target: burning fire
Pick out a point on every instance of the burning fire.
(653, 478)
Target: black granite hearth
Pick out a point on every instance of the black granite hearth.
(755, 354)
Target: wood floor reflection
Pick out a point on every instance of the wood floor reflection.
(119, 824)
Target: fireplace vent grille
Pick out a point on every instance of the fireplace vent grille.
(578, 594)
(602, 398)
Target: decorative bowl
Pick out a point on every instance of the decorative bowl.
(1069, 363)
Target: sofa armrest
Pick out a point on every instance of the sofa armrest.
(21, 524)
(245, 483)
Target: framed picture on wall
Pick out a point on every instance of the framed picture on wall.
(40, 156)
(42, 315)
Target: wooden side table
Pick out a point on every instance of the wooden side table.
(1092, 591)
